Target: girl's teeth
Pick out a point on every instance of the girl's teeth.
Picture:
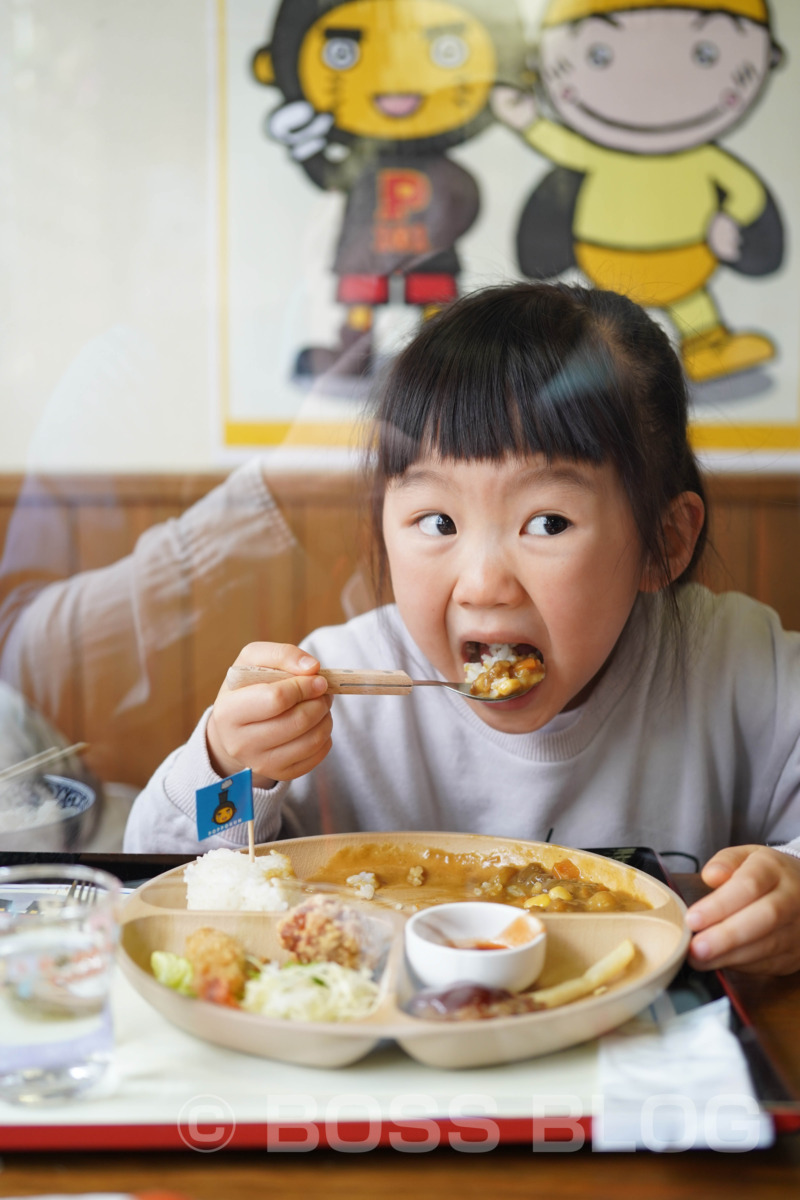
(474, 651)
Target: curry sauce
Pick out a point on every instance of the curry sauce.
(448, 876)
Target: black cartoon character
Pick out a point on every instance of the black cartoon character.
(375, 93)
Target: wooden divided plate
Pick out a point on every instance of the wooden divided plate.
(156, 918)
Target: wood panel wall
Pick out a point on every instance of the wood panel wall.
(755, 536)
(104, 517)
(755, 540)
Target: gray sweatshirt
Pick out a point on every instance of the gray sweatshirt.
(688, 743)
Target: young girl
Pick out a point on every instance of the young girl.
(534, 486)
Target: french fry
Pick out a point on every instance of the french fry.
(594, 977)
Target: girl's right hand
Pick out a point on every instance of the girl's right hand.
(280, 730)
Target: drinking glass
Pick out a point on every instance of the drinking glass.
(58, 932)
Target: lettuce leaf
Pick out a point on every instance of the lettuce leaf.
(173, 971)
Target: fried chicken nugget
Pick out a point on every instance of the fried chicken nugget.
(219, 965)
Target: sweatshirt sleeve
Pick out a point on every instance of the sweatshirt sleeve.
(105, 654)
(162, 820)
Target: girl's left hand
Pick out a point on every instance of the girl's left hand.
(751, 921)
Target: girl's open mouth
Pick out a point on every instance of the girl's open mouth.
(501, 671)
(476, 652)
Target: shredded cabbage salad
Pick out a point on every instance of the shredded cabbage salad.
(323, 991)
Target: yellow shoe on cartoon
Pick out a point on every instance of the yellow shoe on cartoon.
(717, 351)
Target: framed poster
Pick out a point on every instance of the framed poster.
(376, 158)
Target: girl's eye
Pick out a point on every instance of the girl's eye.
(600, 55)
(437, 525)
(341, 53)
(449, 50)
(547, 525)
(705, 54)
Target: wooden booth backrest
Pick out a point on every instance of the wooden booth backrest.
(754, 549)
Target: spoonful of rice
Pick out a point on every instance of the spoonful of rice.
(491, 679)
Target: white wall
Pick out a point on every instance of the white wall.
(110, 234)
(105, 280)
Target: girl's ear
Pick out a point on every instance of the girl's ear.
(683, 522)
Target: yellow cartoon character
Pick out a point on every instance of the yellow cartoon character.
(375, 93)
(641, 90)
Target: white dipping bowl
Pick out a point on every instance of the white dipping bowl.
(439, 965)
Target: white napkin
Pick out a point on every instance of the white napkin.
(669, 1082)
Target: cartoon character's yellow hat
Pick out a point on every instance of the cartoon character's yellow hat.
(560, 11)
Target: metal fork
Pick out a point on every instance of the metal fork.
(81, 892)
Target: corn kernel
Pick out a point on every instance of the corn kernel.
(541, 901)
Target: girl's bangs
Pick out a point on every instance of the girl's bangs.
(506, 402)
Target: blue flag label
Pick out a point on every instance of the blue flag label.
(223, 805)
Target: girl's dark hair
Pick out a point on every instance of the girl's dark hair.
(544, 368)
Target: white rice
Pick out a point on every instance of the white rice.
(226, 879)
(496, 653)
(25, 805)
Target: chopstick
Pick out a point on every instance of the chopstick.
(43, 759)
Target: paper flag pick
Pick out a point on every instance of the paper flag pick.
(223, 805)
